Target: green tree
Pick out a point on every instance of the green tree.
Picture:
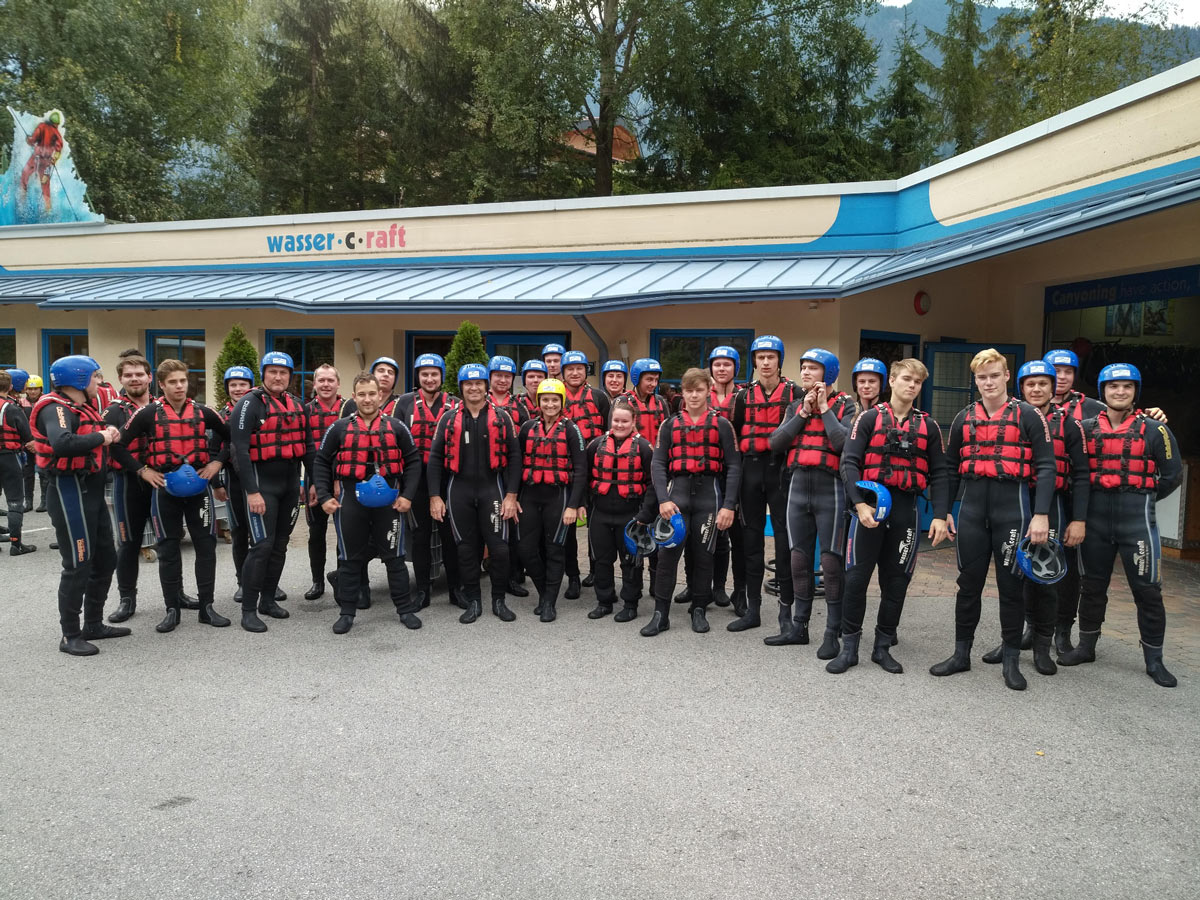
(467, 347)
(137, 83)
(236, 350)
(959, 84)
(907, 127)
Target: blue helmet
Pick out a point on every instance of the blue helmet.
(826, 359)
(472, 372)
(639, 543)
(430, 361)
(1035, 367)
(501, 364)
(767, 342)
(574, 358)
(387, 361)
(1062, 358)
(243, 372)
(643, 366)
(276, 358)
(20, 378)
(1119, 372)
(185, 482)
(669, 532)
(614, 365)
(73, 371)
(726, 352)
(533, 365)
(883, 498)
(375, 492)
(872, 365)
(1043, 563)
(553, 348)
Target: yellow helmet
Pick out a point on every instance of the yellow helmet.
(34, 381)
(552, 386)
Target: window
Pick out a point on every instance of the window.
(951, 386)
(679, 351)
(418, 342)
(8, 348)
(308, 349)
(186, 346)
(522, 347)
(63, 342)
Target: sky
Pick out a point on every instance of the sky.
(1185, 12)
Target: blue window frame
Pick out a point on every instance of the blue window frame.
(680, 350)
(418, 342)
(950, 385)
(8, 348)
(308, 348)
(523, 346)
(60, 342)
(186, 345)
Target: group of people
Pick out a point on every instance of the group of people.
(1050, 485)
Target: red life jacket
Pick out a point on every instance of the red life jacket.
(695, 445)
(812, 447)
(620, 466)
(1057, 420)
(898, 453)
(10, 438)
(424, 422)
(531, 405)
(994, 448)
(584, 411)
(1073, 404)
(722, 407)
(511, 404)
(89, 423)
(648, 416)
(137, 446)
(320, 417)
(763, 414)
(282, 433)
(367, 450)
(388, 407)
(177, 438)
(1119, 457)
(497, 445)
(547, 457)
(226, 411)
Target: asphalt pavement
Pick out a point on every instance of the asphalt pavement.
(575, 759)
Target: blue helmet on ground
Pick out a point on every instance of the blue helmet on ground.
(643, 366)
(574, 358)
(277, 358)
(726, 352)
(871, 365)
(502, 364)
(1062, 358)
(19, 377)
(826, 359)
(430, 361)
(533, 365)
(472, 372)
(387, 361)
(375, 492)
(614, 365)
(1120, 372)
(243, 372)
(669, 532)
(185, 482)
(1044, 563)
(767, 342)
(73, 371)
(883, 498)
(639, 543)
(1035, 367)
(553, 348)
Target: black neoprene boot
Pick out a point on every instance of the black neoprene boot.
(1084, 652)
(752, 618)
(1062, 639)
(1155, 668)
(959, 661)
(1013, 679)
(847, 656)
(125, 610)
(829, 645)
(995, 656)
(1041, 655)
(501, 611)
(882, 655)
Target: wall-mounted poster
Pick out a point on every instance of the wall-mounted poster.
(1157, 319)
(1123, 320)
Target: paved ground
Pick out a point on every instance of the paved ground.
(580, 760)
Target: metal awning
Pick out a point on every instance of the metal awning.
(581, 287)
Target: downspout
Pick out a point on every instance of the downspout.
(594, 337)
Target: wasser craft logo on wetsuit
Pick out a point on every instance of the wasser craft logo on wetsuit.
(389, 238)
(1009, 546)
(906, 546)
(1141, 558)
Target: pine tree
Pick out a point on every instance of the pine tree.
(907, 127)
(467, 347)
(959, 84)
(235, 351)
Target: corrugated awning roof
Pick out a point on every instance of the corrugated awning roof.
(588, 286)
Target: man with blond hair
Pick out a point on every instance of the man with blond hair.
(999, 446)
